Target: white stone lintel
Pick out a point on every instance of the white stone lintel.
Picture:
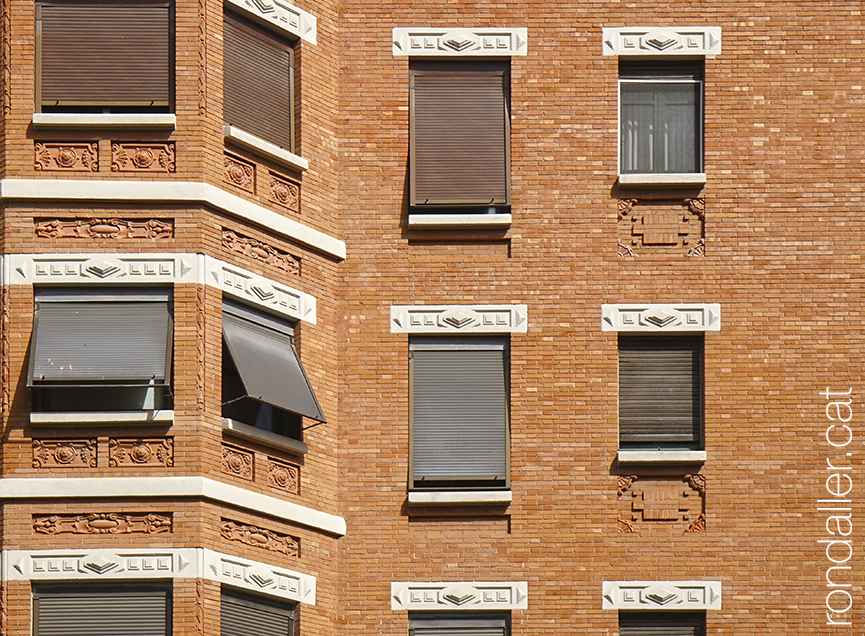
(455, 596)
(661, 595)
(461, 319)
(459, 42)
(280, 16)
(439, 221)
(265, 148)
(105, 120)
(663, 318)
(659, 41)
(82, 190)
(460, 497)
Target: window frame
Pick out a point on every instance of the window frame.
(644, 623)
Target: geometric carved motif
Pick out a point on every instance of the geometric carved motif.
(64, 454)
(661, 317)
(69, 157)
(237, 462)
(459, 42)
(669, 226)
(661, 595)
(431, 319)
(260, 538)
(104, 229)
(142, 157)
(103, 523)
(657, 41)
(261, 252)
(459, 596)
(285, 192)
(650, 505)
(141, 452)
(283, 476)
(238, 172)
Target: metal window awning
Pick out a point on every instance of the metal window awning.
(115, 341)
(269, 366)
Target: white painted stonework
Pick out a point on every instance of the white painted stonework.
(439, 221)
(462, 319)
(105, 120)
(662, 595)
(262, 147)
(168, 563)
(279, 15)
(168, 269)
(661, 318)
(471, 596)
(416, 42)
(658, 41)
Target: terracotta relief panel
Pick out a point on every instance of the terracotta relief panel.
(260, 538)
(259, 251)
(103, 523)
(237, 462)
(661, 504)
(138, 157)
(152, 229)
(239, 173)
(67, 157)
(283, 476)
(141, 452)
(64, 453)
(666, 226)
(285, 192)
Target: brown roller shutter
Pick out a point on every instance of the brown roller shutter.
(460, 151)
(662, 624)
(660, 389)
(258, 82)
(243, 614)
(103, 54)
(448, 625)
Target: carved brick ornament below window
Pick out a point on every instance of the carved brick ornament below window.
(261, 252)
(675, 227)
(152, 229)
(239, 173)
(236, 462)
(142, 157)
(64, 454)
(283, 476)
(67, 157)
(260, 538)
(141, 452)
(103, 523)
(285, 192)
(660, 504)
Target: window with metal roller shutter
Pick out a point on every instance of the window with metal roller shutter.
(258, 76)
(473, 625)
(101, 610)
(661, 391)
(459, 413)
(244, 614)
(104, 56)
(662, 623)
(460, 134)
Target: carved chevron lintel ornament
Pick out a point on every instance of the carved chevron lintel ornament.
(661, 318)
(279, 15)
(131, 269)
(662, 595)
(259, 577)
(434, 319)
(459, 596)
(459, 42)
(662, 41)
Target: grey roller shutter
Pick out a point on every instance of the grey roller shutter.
(452, 626)
(660, 389)
(267, 362)
(117, 339)
(459, 411)
(258, 83)
(662, 624)
(103, 612)
(105, 53)
(460, 129)
(243, 615)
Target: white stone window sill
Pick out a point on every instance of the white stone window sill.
(689, 178)
(260, 146)
(460, 497)
(660, 456)
(104, 417)
(244, 431)
(437, 221)
(105, 120)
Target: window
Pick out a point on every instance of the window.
(662, 623)
(661, 117)
(460, 150)
(459, 411)
(244, 614)
(661, 391)
(432, 624)
(103, 56)
(263, 382)
(101, 350)
(78, 609)
(258, 82)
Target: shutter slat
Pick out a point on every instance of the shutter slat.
(240, 616)
(102, 613)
